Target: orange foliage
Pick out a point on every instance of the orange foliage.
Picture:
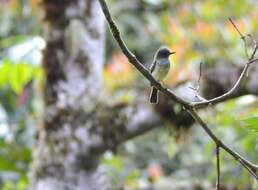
(240, 25)
(184, 10)
(35, 3)
(181, 47)
(175, 28)
(204, 29)
(118, 64)
(155, 171)
(119, 72)
(13, 4)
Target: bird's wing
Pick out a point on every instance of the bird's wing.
(153, 65)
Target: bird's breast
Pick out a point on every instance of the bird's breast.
(161, 69)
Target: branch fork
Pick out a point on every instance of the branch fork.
(191, 106)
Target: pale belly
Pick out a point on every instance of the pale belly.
(160, 72)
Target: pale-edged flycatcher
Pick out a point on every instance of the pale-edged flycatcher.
(159, 70)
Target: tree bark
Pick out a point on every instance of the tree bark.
(66, 154)
(79, 122)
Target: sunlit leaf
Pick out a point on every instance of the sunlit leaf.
(17, 75)
(251, 123)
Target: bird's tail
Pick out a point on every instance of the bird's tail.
(154, 96)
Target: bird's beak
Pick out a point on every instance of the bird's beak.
(172, 52)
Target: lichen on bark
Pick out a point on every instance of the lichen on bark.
(66, 153)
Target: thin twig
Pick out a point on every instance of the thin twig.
(200, 75)
(251, 37)
(247, 164)
(198, 81)
(242, 36)
(197, 88)
(188, 106)
(227, 94)
(251, 171)
(134, 61)
(245, 47)
(254, 52)
(238, 82)
(218, 168)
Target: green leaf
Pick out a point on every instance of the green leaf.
(251, 123)
(4, 70)
(17, 75)
(13, 40)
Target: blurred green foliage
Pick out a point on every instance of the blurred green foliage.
(251, 123)
(20, 80)
(197, 30)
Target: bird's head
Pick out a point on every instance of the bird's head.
(164, 52)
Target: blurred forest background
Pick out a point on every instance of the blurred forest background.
(199, 31)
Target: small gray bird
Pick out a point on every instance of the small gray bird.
(159, 70)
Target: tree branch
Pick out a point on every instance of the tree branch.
(238, 82)
(142, 121)
(228, 94)
(218, 168)
(242, 37)
(133, 60)
(252, 168)
(247, 164)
